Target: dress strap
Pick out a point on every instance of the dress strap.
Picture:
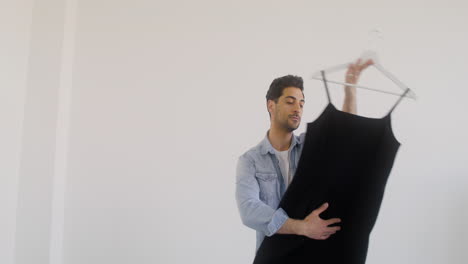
(326, 86)
(399, 100)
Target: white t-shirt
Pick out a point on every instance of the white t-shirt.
(283, 157)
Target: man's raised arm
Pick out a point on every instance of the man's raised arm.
(352, 76)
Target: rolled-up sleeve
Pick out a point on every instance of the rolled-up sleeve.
(255, 213)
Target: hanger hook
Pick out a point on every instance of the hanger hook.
(375, 33)
(374, 36)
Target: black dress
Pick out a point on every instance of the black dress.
(346, 161)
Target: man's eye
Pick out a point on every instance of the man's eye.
(289, 102)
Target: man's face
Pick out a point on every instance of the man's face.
(287, 112)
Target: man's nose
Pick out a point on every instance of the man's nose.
(297, 108)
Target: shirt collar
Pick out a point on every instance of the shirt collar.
(266, 147)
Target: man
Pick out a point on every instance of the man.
(264, 171)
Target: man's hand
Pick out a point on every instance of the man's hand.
(316, 228)
(354, 71)
(352, 76)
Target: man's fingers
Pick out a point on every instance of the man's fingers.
(354, 69)
(321, 209)
(333, 221)
(326, 234)
(366, 64)
(333, 229)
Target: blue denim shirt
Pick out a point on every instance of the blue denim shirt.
(260, 186)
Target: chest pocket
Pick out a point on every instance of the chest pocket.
(268, 183)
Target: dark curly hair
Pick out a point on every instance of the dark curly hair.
(277, 86)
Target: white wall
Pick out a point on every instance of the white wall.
(166, 95)
(39, 135)
(15, 22)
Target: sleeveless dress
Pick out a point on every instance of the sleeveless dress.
(345, 161)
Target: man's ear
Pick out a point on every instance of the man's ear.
(270, 106)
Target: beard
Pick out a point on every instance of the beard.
(288, 125)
